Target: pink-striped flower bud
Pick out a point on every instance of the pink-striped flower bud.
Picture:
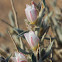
(31, 13)
(19, 57)
(32, 40)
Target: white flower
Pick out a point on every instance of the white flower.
(32, 39)
(19, 57)
(31, 13)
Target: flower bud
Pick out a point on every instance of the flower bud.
(31, 13)
(32, 40)
(19, 57)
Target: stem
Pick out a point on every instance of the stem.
(51, 53)
(6, 23)
(15, 15)
(13, 40)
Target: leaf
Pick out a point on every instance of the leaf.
(46, 19)
(7, 59)
(18, 30)
(22, 34)
(11, 17)
(39, 6)
(50, 46)
(48, 51)
(2, 59)
(33, 58)
(23, 51)
(49, 38)
(44, 3)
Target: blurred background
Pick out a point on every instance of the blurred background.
(5, 8)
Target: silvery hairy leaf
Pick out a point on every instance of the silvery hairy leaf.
(46, 19)
(48, 51)
(18, 30)
(22, 34)
(58, 31)
(11, 17)
(23, 51)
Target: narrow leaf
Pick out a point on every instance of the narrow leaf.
(23, 51)
(33, 58)
(18, 30)
(7, 59)
(44, 3)
(48, 51)
(11, 17)
(22, 34)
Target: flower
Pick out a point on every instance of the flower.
(31, 13)
(32, 40)
(19, 57)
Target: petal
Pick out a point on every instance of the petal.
(28, 6)
(34, 39)
(27, 37)
(27, 14)
(16, 54)
(31, 13)
(14, 59)
(19, 57)
(22, 55)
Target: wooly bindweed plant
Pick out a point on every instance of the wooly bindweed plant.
(29, 44)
